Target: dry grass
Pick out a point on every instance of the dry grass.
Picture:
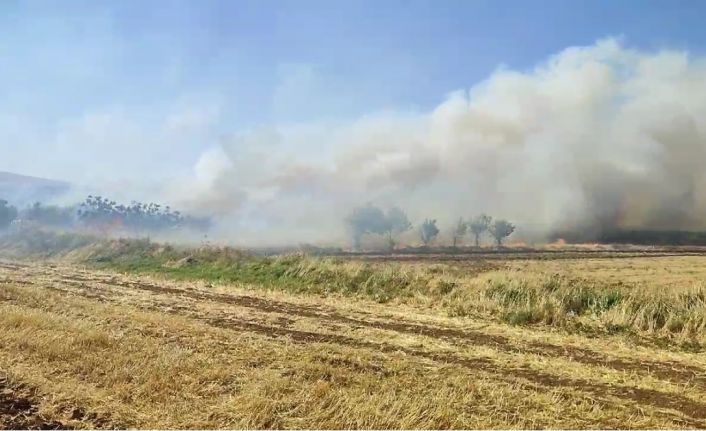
(213, 338)
(656, 298)
(660, 299)
(145, 352)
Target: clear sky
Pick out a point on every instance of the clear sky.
(95, 77)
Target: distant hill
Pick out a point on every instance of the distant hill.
(22, 189)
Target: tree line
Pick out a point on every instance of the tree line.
(371, 220)
(101, 214)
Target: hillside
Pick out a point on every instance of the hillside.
(22, 189)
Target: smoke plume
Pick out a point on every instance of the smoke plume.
(593, 138)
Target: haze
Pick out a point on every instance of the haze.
(278, 118)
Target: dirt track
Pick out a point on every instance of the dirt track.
(665, 370)
(277, 319)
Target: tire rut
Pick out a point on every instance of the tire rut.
(20, 411)
(670, 371)
(693, 410)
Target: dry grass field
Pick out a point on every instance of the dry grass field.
(94, 340)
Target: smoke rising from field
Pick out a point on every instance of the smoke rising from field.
(593, 138)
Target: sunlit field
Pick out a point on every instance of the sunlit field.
(363, 214)
(136, 334)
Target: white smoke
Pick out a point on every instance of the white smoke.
(597, 136)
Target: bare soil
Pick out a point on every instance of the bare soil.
(19, 411)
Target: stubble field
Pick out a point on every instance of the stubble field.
(147, 337)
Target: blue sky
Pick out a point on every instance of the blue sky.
(225, 66)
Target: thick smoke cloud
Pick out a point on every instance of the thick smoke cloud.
(595, 137)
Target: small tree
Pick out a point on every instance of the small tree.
(479, 225)
(459, 231)
(8, 213)
(501, 229)
(428, 231)
(396, 222)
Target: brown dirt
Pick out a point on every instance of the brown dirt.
(19, 411)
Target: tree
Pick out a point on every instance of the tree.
(8, 213)
(479, 225)
(459, 231)
(364, 220)
(396, 222)
(49, 215)
(104, 214)
(372, 220)
(99, 212)
(428, 231)
(501, 229)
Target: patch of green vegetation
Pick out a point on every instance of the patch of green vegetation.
(554, 300)
(523, 317)
(565, 301)
(293, 273)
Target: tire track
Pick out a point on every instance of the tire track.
(693, 410)
(670, 371)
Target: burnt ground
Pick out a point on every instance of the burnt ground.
(505, 254)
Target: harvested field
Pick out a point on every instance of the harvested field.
(19, 411)
(87, 347)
